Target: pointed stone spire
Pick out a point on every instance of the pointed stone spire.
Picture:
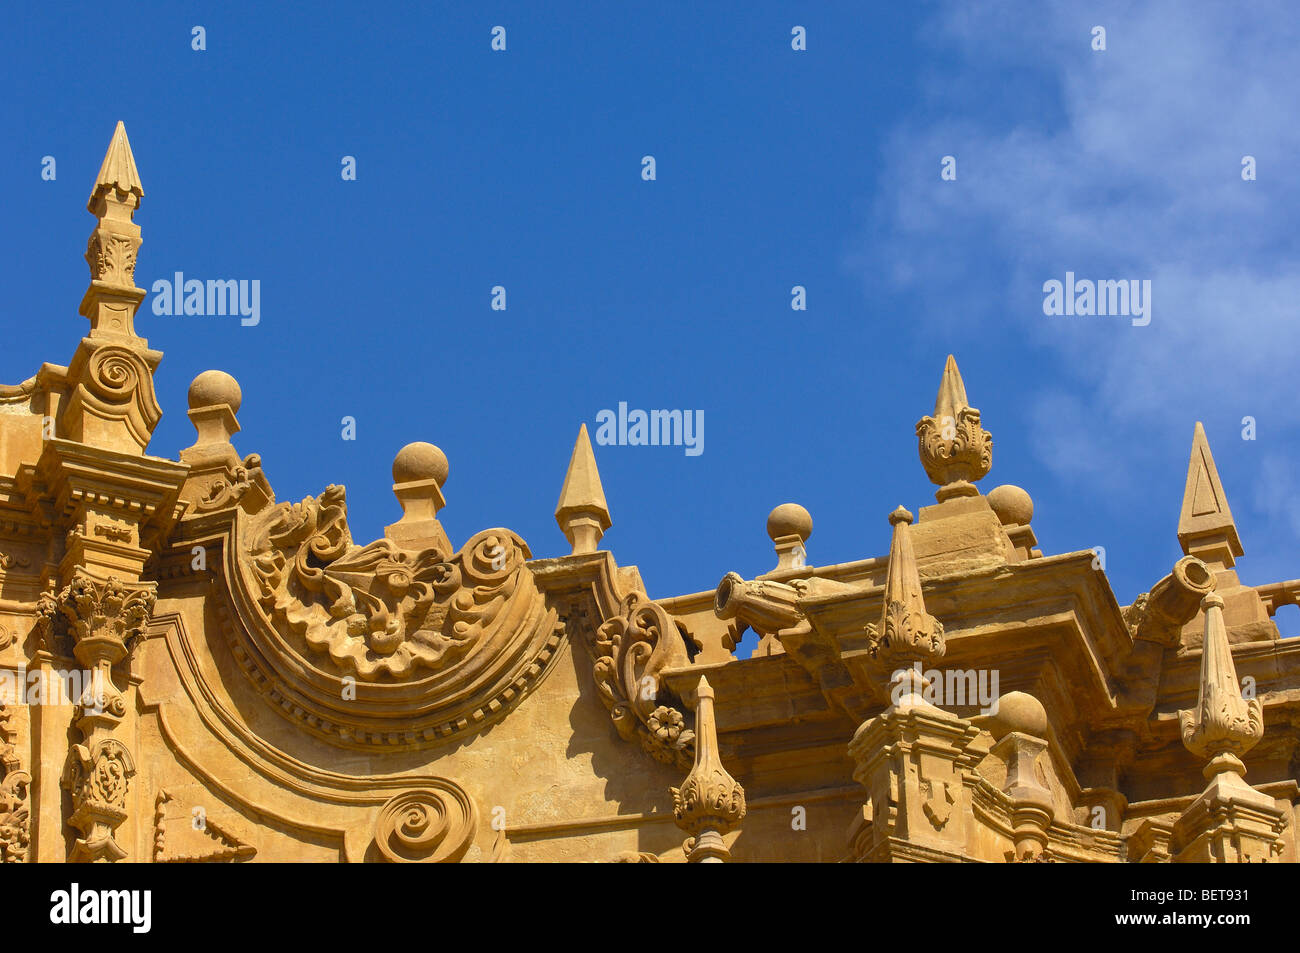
(952, 392)
(907, 634)
(1205, 526)
(582, 512)
(710, 803)
(117, 173)
(112, 404)
(112, 298)
(955, 450)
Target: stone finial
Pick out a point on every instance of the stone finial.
(907, 634)
(214, 400)
(710, 803)
(117, 173)
(955, 450)
(789, 526)
(112, 298)
(1230, 822)
(1205, 526)
(1019, 726)
(1012, 505)
(1224, 725)
(582, 512)
(419, 472)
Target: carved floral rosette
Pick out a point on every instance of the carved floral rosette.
(632, 649)
(379, 645)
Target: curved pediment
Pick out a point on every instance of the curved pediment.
(381, 645)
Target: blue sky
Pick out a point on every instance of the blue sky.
(775, 168)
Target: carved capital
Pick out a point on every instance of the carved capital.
(104, 616)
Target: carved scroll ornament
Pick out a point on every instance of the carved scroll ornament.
(426, 825)
(380, 645)
(632, 649)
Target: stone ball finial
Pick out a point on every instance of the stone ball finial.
(1017, 711)
(1012, 504)
(420, 461)
(215, 387)
(789, 519)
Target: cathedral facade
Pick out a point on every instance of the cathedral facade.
(192, 670)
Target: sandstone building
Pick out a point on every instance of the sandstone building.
(193, 671)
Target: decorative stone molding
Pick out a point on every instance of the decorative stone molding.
(377, 644)
(99, 776)
(199, 839)
(632, 650)
(15, 784)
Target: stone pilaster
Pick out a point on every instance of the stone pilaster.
(104, 617)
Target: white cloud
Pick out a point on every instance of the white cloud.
(1124, 164)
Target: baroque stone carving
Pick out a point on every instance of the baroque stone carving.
(15, 813)
(426, 825)
(112, 259)
(199, 840)
(104, 617)
(710, 803)
(400, 647)
(955, 450)
(906, 632)
(229, 490)
(632, 649)
(1223, 726)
